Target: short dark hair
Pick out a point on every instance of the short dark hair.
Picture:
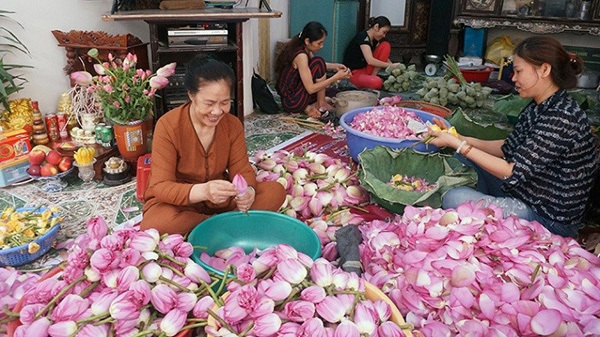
(202, 69)
(538, 50)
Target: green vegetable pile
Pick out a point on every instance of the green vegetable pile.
(444, 92)
(400, 78)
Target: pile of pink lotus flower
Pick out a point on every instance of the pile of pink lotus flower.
(471, 272)
(315, 183)
(128, 283)
(386, 121)
(284, 293)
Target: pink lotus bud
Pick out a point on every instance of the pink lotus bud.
(103, 260)
(130, 257)
(196, 273)
(204, 303)
(347, 328)
(140, 293)
(167, 70)
(267, 164)
(245, 273)
(122, 308)
(28, 312)
(39, 328)
(163, 298)
(125, 327)
(315, 206)
(267, 325)
(299, 311)
(158, 82)
(173, 240)
(126, 277)
(90, 330)
(240, 184)
(289, 329)
(143, 241)
(92, 274)
(185, 250)
(313, 294)
(173, 321)
(291, 271)
(152, 272)
(365, 319)
(102, 303)
(97, 227)
(331, 309)
(70, 308)
(312, 327)
(109, 278)
(62, 329)
(321, 272)
(278, 290)
(390, 329)
(264, 262)
(185, 301)
(263, 307)
(81, 78)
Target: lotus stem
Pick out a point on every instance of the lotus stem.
(220, 320)
(59, 295)
(175, 284)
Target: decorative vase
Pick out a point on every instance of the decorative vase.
(133, 139)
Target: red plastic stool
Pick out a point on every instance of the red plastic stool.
(142, 174)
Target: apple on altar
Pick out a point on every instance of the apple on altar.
(46, 162)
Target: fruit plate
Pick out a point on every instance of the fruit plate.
(53, 183)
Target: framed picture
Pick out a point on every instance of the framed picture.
(480, 6)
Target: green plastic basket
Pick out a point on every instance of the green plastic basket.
(257, 229)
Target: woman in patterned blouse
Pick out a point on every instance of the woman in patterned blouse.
(303, 80)
(545, 169)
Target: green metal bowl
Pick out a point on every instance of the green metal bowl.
(260, 229)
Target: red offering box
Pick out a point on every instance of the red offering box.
(14, 144)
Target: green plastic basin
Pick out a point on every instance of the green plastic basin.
(260, 229)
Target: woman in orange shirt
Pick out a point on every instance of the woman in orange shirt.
(197, 149)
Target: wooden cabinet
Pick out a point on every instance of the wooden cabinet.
(161, 21)
(165, 51)
(536, 16)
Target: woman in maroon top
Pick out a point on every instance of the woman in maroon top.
(302, 76)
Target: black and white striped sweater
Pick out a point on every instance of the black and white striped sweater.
(555, 158)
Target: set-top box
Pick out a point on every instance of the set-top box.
(213, 34)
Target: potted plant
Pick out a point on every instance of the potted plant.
(126, 95)
(9, 44)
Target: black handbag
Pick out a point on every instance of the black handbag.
(262, 96)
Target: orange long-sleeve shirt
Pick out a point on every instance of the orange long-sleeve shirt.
(179, 160)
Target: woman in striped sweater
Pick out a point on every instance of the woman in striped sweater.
(302, 80)
(545, 169)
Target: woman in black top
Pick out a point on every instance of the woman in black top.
(545, 169)
(366, 54)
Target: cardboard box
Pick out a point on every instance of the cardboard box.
(14, 144)
(13, 170)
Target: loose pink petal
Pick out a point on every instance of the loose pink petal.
(546, 322)
(462, 276)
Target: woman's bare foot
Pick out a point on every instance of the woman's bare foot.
(328, 107)
(312, 111)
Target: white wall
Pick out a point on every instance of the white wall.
(47, 81)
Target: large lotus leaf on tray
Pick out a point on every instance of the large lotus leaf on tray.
(378, 165)
(481, 123)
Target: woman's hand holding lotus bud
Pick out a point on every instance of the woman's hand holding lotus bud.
(246, 194)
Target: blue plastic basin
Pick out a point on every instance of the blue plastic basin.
(260, 229)
(359, 141)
